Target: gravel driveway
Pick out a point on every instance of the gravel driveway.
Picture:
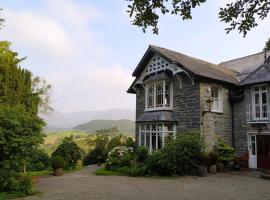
(83, 185)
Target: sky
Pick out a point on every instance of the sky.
(88, 49)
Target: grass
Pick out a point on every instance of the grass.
(49, 172)
(106, 172)
(11, 195)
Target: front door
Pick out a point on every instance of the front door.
(252, 152)
(263, 151)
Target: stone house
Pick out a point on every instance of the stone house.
(176, 92)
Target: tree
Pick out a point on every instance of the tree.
(42, 89)
(20, 126)
(70, 151)
(20, 136)
(267, 46)
(240, 14)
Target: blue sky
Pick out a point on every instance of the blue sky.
(88, 49)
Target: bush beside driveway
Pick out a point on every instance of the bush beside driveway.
(85, 184)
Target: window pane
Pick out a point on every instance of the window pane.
(153, 127)
(154, 141)
(159, 127)
(148, 139)
(215, 104)
(257, 111)
(253, 145)
(264, 98)
(159, 94)
(168, 127)
(167, 95)
(148, 127)
(257, 98)
(150, 97)
(256, 88)
(142, 139)
(142, 127)
(159, 140)
(263, 88)
(264, 111)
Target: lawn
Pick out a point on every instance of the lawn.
(117, 172)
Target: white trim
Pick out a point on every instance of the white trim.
(260, 92)
(156, 133)
(154, 108)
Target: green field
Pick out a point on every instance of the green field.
(53, 139)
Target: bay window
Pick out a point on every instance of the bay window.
(159, 95)
(154, 136)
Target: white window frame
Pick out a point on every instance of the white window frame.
(163, 133)
(219, 99)
(164, 88)
(260, 103)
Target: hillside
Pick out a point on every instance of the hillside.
(64, 121)
(53, 139)
(125, 126)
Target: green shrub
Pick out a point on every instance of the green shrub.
(119, 156)
(95, 156)
(120, 140)
(141, 154)
(11, 182)
(179, 156)
(39, 161)
(225, 152)
(70, 151)
(58, 162)
(156, 165)
(26, 185)
(137, 170)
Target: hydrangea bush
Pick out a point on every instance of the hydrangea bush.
(119, 156)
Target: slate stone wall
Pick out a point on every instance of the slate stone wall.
(186, 104)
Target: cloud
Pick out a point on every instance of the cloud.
(38, 32)
(64, 48)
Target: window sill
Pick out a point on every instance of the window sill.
(158, 109)
(217, 111)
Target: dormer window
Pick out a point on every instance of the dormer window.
(158, 95)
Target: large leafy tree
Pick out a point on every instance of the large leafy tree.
(20, 126)
(239, 14)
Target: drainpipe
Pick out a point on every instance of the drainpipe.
(233, 141)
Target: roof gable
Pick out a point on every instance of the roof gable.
(196, 66)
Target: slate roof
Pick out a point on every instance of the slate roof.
(246, 65)
(260, 75)
(194, 65)
(161, 116)
(236, 72)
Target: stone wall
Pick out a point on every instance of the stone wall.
(216, 124)
(186, 104)
(140, 107)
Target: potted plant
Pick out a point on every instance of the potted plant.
(203, 163)
(58, 164)
(213, 161)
